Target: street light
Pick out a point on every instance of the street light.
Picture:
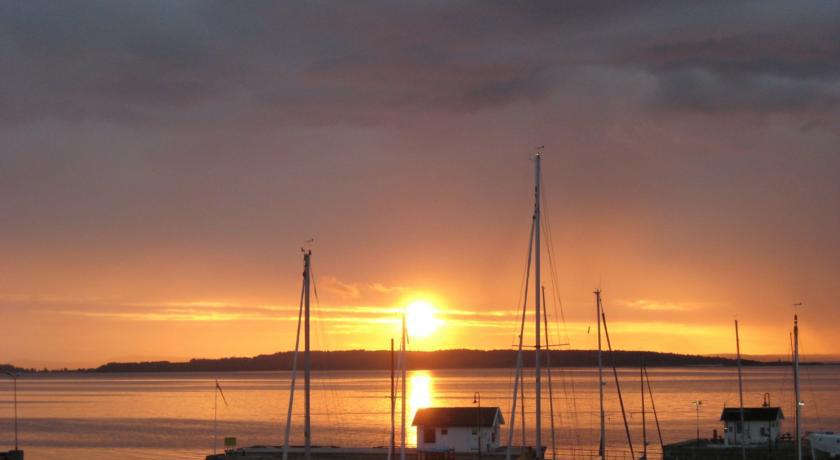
(477, 400)
(697, 405)
(14, 382)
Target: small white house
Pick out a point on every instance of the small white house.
(762, 425)
(458, 429)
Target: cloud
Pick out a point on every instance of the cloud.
(656, 305)
(352, 290)
(809, 54)
(265, 64)
(703, 91)
(333, 285)
(302, 63)
(382, 289)
(762, 73)
(221, 310)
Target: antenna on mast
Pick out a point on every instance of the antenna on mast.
(537, 285)
(797, 401)
(307, 245)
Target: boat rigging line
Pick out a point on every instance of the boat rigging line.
(617, 384)
(336, 420)
(653, 407)
(518, 374)
(294, 377)
(740, 393)
(602, 447)
(644, 422)
(548, 374)
(546, 222)
(797, 398)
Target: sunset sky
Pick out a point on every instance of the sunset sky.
(162, 163)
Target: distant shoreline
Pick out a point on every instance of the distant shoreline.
(427, 360)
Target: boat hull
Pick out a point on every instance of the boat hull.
(825, 445)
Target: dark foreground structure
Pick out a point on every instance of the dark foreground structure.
(706, 449)
(374, 453)
(760, 432)
(12, 455)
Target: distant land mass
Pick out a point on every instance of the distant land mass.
(441, 359)
(8, 368)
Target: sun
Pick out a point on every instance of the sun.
(420, 318)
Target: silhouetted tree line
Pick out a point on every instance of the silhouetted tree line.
(442, 359)
(14, 370)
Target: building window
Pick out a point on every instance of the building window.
(429, 436)
(444, 431)
(738, 427)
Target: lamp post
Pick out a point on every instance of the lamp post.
(697, 405)
(14, 383)
(477, 400)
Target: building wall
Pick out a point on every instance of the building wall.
(752, 433)
(459, 439)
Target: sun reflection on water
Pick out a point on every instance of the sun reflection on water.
(420, 395)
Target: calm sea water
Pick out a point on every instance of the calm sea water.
(170, 416)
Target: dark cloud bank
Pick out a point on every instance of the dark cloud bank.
(362, 62)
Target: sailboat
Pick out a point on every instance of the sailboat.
(824, 444)
(750, 432)
(309, 451)
(538, 451)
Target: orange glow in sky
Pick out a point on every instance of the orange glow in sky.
(155, 194)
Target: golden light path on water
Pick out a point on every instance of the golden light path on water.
(420, 395)
(170, 416)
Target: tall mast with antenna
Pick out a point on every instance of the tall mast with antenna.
(602, 445)
(548, 374)
(307, 360)
(393, 407)
(517, 381)
(537, 285)
(796, 387)
(740, 392)
(403, 368)
(294, 371)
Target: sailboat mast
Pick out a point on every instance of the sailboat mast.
(517, 381)
(740, 391)
(537, 285)
(307, 361)
(644, 422)
(294, 371)
(393, 406)
(602, 445)
(215, 416)
(797, 401)
(548, 373)
(404, 387)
